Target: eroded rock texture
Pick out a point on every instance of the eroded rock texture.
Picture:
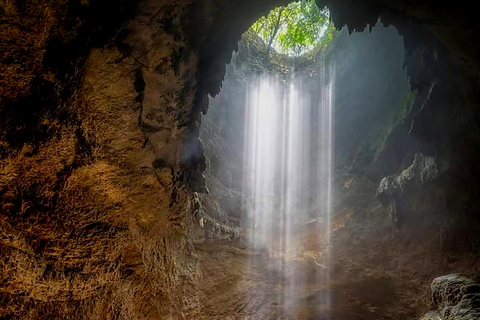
(456, 297)
(99, 150)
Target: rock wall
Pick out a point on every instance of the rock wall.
(93, 213)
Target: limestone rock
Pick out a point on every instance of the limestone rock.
(431, 316)
(457, 297)
(391, 190)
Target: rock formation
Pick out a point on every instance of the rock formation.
(456, 297)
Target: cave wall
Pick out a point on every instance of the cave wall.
(93, 215)
(99, 105)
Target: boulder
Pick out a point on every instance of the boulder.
(457, 297)
(392, 190)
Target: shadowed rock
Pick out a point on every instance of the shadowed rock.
(456, 297)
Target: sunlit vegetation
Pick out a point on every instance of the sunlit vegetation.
(296, 28)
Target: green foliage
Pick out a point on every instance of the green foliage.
(296, 28)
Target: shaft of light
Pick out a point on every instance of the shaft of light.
(288, 163)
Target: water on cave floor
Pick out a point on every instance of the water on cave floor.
(288, 175)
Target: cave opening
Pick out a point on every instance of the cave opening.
(294, 29)
(291, 123)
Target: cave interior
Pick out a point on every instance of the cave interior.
(159, 160)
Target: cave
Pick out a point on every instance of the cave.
(130, 189)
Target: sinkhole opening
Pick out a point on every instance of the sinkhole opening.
(294, 29)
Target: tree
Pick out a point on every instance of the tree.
(295, 28)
